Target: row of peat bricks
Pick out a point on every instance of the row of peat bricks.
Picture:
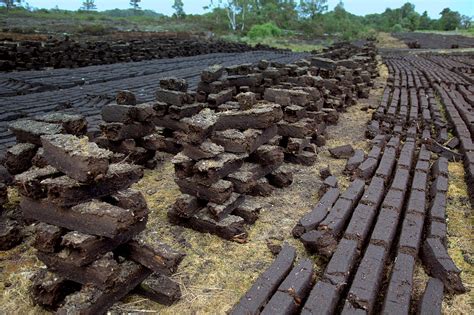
(68, 53)
(89, 225)
(374, 235)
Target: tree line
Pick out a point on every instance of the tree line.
(305, 17)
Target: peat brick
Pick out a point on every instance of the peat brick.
(292, 290)
(49, 290)
(341, 264)
(119, 113)
(218, 192)
(411, 234)
(361, 222)
(47, 237)
(401, 179)
(364, 290)
(76, 157)
(31, 130)
(160, 289)
(219, 211)
(438, 230)
(374, 193)
(174, 84)
(385, 228)
(438, 207)
(116, 131)
(439, 185)
(281, 177)
(417, 202)
(342, 152)
(436, 260)
(440, 168)
(18, 158)
(65, 191)
(200, 126)
(205, 150)
(266, 284)
(29, 182)
(125, 97)
(311, 219)
(355, 160)
(430, 302)
(322, 300)
(10, 234)
(260, 117)
(394, 200)
(398, 296)
(72, 124)
(249, 210)
(90, 300)
(367, 168)
(158, 257)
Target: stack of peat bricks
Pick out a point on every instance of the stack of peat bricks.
(68, 53)
(226, 156)
(254, 118)
(128, 129)
(25, 154)
(87, 230)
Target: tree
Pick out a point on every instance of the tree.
(178, 7)
(450, 20)
(466, 22)
(135, 4)
(425, 21)
(312, 8)
(10, 4)
(236, 11)
(88, 5)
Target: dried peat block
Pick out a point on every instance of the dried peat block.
(65, 191)
(267, 283)
(364, 290)
(281, 177)
(72, 123)
(230, 227)
(76, 157)
(92, 301)
(398, 296)
(342, 152)
(209, 171)
(245, 178)
(205, 150)
(303, 128)
(10, 234)
(170, 97)
(354, 161)
(119, 113)
(49, 290)
(80, 249)
(361, 223)
(249, 210)
(158, 257)
(174, 84)
(47, 237)
(236, 141)
(18, 157)
(430, 302)
(292, 290)
(160, 289)
(117, 131)
(219, 211)
(92, 217)
(101, 273)
(31, 131)
(179, 112)
(218, 192)
(261, 188)
(29, 183)
(268, 155)
(186, 205)
(212, 73)
(374, 193)
(322, 300)
(310, 220)
(342, 262)
(259, 117)
(411, 234)
(325, 239)
(125, 97)
(439, 265)
(199, 127)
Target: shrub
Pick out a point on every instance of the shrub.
(397, 28)
(94, 29)
(264, 30)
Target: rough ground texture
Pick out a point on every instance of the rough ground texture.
(86, 90)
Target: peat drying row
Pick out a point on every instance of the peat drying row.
(392, 215)
(68, 53)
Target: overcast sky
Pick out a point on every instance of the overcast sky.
(359, 7)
